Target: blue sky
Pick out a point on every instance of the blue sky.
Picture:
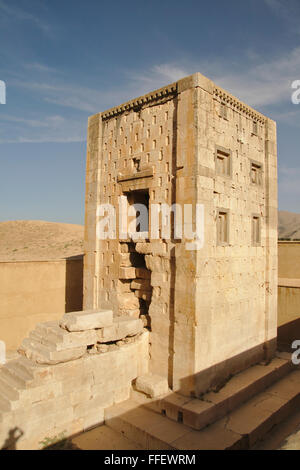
(65, 60)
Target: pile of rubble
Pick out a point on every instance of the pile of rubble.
(77, 333)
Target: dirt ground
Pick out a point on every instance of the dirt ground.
(39, 240)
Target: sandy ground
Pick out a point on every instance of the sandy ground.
(39, 240)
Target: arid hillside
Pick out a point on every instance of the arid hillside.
(288, 225)
(39, 240)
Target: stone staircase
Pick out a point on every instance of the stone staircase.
(238, 416)
(67, 373)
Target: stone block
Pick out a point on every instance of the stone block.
(143, 284)
(153, 385)
(128, 301)
(43, 354)
(127, 273)
(62, 338)
(124, 286)
(87, 320)
(122, 327)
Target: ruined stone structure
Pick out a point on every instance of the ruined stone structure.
(211, 312)
(167, 320)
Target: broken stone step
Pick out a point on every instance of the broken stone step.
(198, 413)
(156, 432)
(47, 327)
(43, 354)
(17, 377)
(153, 385)
(32, 371)
(87, 320)
(61, 339)
(7, 390)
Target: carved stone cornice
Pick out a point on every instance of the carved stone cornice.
(238, 105)
(154, 96)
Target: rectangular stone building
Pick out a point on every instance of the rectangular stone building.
(211, 310)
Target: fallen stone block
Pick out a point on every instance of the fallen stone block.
(86, 320)
(50, 333)
(152, 385)
(122, 327)
(43, 354)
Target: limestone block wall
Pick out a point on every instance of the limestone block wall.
(289, 260)
(213, 311)
(64, 399)
(236, 281)
(114, 144)
(35, 291)
(288, 293)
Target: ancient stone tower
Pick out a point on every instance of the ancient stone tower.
(211, 311)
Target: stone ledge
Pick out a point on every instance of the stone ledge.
(86, 320)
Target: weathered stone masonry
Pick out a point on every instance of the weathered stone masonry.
(213, 311)
(210, 312)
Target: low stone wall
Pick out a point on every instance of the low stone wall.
(288, 320)
(289, 260)
(69, 397)
(36, 291)
(288, 312)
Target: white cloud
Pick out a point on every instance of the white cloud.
(53, 128)
(18, 14)
(259, 83)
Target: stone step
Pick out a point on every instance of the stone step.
(103, 438)
(46, 354)
(256, 418)
(32, 372)
(60, 339)
(86, 320)
(242, 428)
(8, 389)
(17, 378)
(156, 432)
(198, 413)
